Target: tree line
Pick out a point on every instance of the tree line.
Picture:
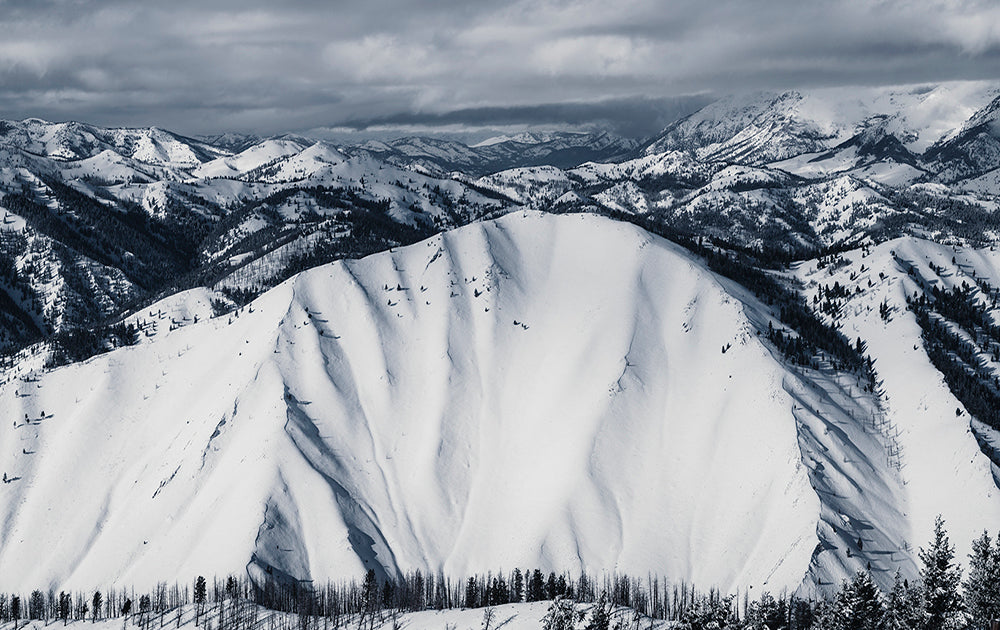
(939, 600)
(942, 315)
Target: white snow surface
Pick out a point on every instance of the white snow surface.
(538, 184)
(517, 616)
(534, 391)
(944, 470)
(249, 159)
(769, 127)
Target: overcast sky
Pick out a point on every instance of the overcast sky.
(201, 66)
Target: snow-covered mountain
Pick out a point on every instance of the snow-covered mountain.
(515, 393)
(73, 141)
(100, 219)
(974, 150)
(116, 216)
(789, 391)
(533, 391)
(760, 128)
(814, 168)
(97, 219)
(561, 149)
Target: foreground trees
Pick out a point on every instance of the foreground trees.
(943, 608)
(982, 588)
(858, 606)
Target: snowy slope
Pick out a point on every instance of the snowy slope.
(940, 460)
(253, 157)
(73, 140)
(536, 391)
(767, 127)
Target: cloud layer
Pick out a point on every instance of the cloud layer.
(208, 65)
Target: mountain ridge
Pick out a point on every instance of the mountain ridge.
(363, 340)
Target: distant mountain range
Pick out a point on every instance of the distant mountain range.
(791, 171)
(804, 169)
(564, 150)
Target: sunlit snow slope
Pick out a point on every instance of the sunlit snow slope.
(565, 392)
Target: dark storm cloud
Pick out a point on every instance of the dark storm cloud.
(267, 67)
(637, 117)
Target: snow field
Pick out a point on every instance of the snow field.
(520, 616)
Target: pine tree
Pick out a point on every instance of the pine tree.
(389, 593)
(36, 605)
(418, 590)
(764, 612)
(561, 615)
(200, 592)
(915, 605)
(536, 586)
(866, 611)
(144, 608)
(501, 590)
(708, 612)
(471, 593)
(517, 586)
(584, 590)
(941, 581)
(551, 590)
(801, 614)
(600, 614)
(903, 606)
(857, 606)
(982, 589)
(370, 593)
(65, 603)
(562, 586)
